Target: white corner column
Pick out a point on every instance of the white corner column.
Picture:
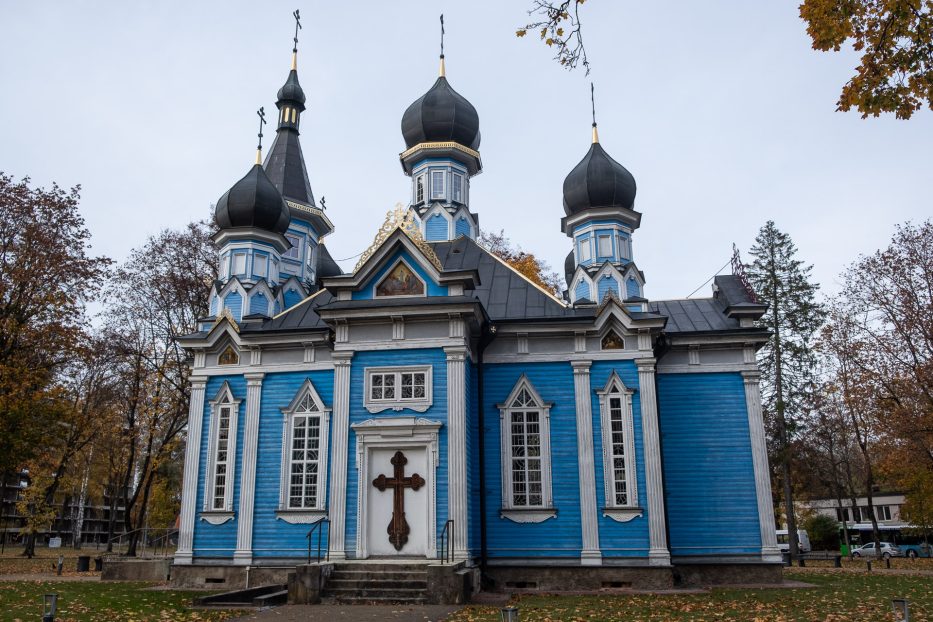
(586, 461)
(658, 553)
(340, 426)
(243, 555)
(756, 431)
(456, 449)
(189, 491)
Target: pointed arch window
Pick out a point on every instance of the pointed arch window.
(617, 427)
(305, 435)
(218, 488)
(526, 455)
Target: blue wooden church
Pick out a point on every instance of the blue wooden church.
(435, 403)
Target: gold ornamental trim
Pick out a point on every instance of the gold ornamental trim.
(404, 219)
(439, 145)
(227, 315)
(314, 211)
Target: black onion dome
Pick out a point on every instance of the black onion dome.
(291, 90)
(441, 115)
(598, 181)
(253, 202)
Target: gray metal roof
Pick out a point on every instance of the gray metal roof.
(301, 317)
(693, 315)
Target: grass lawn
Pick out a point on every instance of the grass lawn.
(838, 596)
(93, 601)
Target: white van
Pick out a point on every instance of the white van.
(803, 540)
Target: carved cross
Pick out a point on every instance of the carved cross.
(398, 529)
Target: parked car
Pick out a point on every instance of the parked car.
(887, 550)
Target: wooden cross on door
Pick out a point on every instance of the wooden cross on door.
(398, 527)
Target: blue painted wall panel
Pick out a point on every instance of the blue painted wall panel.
(273, 537)
(708, 475)
(234, 302)
(292, 298)
(218, 541)
(631, 288)
(582, 291)
(367, 290)
(472, 445)
(259, 304)
(437, 412)
(463, 227)
(607, 284)
(559, 536)
(436, 228)
(629, 539)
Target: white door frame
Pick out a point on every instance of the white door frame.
(395, 433)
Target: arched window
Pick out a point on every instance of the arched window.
(526, 455)
(304, 452)
(615, 406)
(218, 484)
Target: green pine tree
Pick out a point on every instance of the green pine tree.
(787, 361)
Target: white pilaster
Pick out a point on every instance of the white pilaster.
(756, 431)
(658, 553)
(243, 554)
(189, 491)
(589, 518)
(456, 449)
(338, 471)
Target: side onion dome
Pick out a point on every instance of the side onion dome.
(598, 181)
(441, 115)
(291, 91)
(570, 266)
(253, 202)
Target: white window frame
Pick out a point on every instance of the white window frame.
(583, 246)
(420, 404)
(293, 253)
(599, 239)
(525, 513)
(419, 188)
(455, 193)
(225, 266)
(233, 261)
(260, 260)
(224, 399)
(285, 511)
(435, 194)
(621, 512)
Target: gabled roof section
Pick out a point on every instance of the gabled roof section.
(739, 301)
(299, 318)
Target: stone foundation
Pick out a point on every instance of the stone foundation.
(577, 578)
(128, 569)
(204, 576)
(689, 575)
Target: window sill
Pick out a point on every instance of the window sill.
(215, 517)
(531, 515)
(623, 515)
(301, 517)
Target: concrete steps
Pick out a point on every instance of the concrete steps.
(351, 583)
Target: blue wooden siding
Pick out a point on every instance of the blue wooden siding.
(472, 447)
(712, 505)
(213, 305)
(463, 227)
(234, 302)
(559, 536)
(631, 288)
(273, 537)
(607, 284)
(437, 412)
(616, 539)
(218, 541)
(259, 304)
(436, 228)
(367, 290)
(582, 291)
(292, 297)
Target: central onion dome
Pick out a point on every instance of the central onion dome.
(441, 115)
(291, 91)
(253, 202)
(598, 181)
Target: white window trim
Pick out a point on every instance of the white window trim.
(453, 185)
(424, 284)
(525, 514)
(296, 248)
(585, 244)
(631, 510)
(607, 237)
(443, 193)
(422, 178)
(416, 404)
(233, 258)
(319, 511)
(223, 399)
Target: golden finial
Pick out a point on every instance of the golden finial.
(442, 72)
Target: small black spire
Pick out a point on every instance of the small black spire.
(297, 17)
(593, 106)
(442, 72)
(262, 121)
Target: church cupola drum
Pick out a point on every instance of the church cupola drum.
(600, 216)
(442, 137)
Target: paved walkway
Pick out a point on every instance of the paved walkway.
(353, 613)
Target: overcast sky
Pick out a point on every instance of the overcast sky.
(721, 110)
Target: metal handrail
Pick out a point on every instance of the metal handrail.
(446, 552)
(319, 536)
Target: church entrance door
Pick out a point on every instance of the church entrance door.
(397, 502)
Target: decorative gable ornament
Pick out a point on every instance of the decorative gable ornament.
(404, 219)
